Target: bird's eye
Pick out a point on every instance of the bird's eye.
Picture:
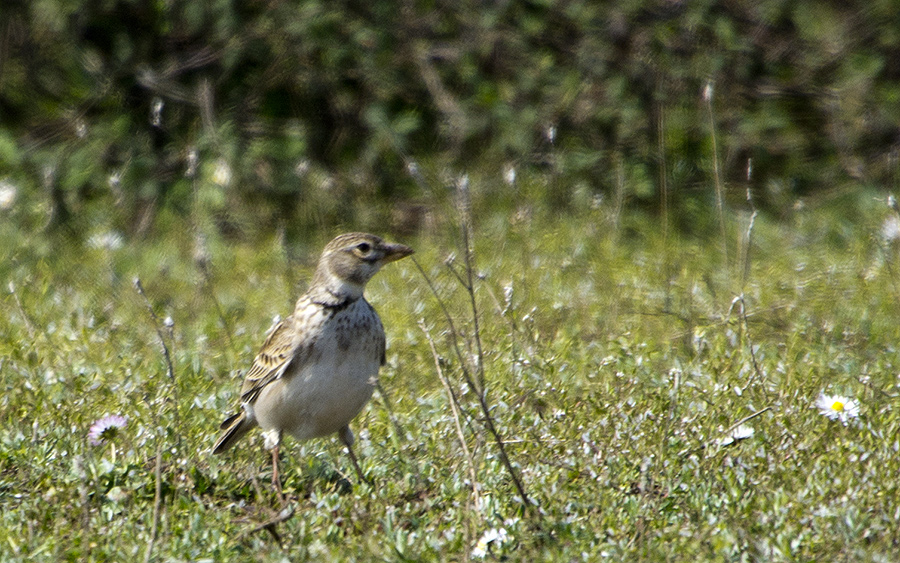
(364, 247)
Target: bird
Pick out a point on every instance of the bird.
(319, 366)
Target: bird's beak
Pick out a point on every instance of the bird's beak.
(394, 252)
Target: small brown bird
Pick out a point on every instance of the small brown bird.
(318, 367)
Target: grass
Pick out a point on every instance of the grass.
(615, 361)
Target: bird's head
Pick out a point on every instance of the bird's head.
(350, 260)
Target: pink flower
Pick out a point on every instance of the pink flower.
(106, 428)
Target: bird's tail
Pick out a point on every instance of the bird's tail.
(234, 426)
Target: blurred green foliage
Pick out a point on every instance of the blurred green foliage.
(105, 107)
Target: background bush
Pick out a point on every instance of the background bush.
(105, 105)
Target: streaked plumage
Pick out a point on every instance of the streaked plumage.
(318, 367)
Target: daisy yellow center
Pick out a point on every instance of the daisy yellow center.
(837, 406)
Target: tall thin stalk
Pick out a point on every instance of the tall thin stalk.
(717, 176)
(457, 411)
(475, 382)
(167, 357)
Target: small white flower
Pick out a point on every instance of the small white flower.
(8, 193)
(81, 128)
(480, 550)
(837, 407)
(550, 133)
(509, 175)
(109, 241)
(742, 432)
(222, 174)
(192, 160)
(114, 180)
(890, 229)
(156, 112)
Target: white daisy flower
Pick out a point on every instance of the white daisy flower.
(493, 535)
(837, 407)
(480, 550)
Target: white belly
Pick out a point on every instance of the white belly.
(332, 385)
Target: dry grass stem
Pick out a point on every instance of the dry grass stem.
(455, 407)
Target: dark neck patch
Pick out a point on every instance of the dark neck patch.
(333, 302)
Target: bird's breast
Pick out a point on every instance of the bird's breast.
(332, 381)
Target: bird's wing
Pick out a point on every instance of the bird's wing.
(277, 353)
(382, 344)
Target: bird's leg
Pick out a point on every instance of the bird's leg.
(346, 436)
(276, 478)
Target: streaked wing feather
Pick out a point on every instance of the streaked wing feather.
(271, 362)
